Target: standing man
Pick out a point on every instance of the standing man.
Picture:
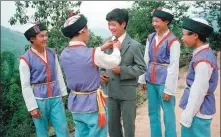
(80, 64)
(198, 99)
(43, 84)
(162, 59)
(122, 79)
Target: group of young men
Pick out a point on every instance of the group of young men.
(119, 64)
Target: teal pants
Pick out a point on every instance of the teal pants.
(155, 102)
(86, 125)
(52, 109)
(199, 128)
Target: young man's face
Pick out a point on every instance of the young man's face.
(189, 38)
(40, 39)
(158, 24)
(116, 28)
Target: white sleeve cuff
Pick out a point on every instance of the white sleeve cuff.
(30, 100)
(64, 92)
(169, 92)
(185, 124)
(141, 79)
(186, 119)
(32, 108)
(106, 61)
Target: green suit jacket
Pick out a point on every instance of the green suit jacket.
(132, 65)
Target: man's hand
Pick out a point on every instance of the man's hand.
(106, 45)
(104, 78)
(116, 70)
(64, 99)
(116, 44)
(35, 113)
(143, 88)
(166, 97)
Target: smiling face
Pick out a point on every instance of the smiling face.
(40, 39)
(159, 24)
(116, 28)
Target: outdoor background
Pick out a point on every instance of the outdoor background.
(15, 121)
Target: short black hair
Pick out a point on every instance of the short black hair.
(119, 15)
(34, 36)
(201, 37)
(77, 34)
(165, 20)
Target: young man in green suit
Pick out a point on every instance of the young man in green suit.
(122, 80)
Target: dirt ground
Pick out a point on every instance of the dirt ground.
(142, 119)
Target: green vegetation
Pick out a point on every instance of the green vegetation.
(12, 41)
(14, 118)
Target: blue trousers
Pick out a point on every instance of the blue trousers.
(86, 125)
(52, 109)
(155, 102)
(199, 128)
